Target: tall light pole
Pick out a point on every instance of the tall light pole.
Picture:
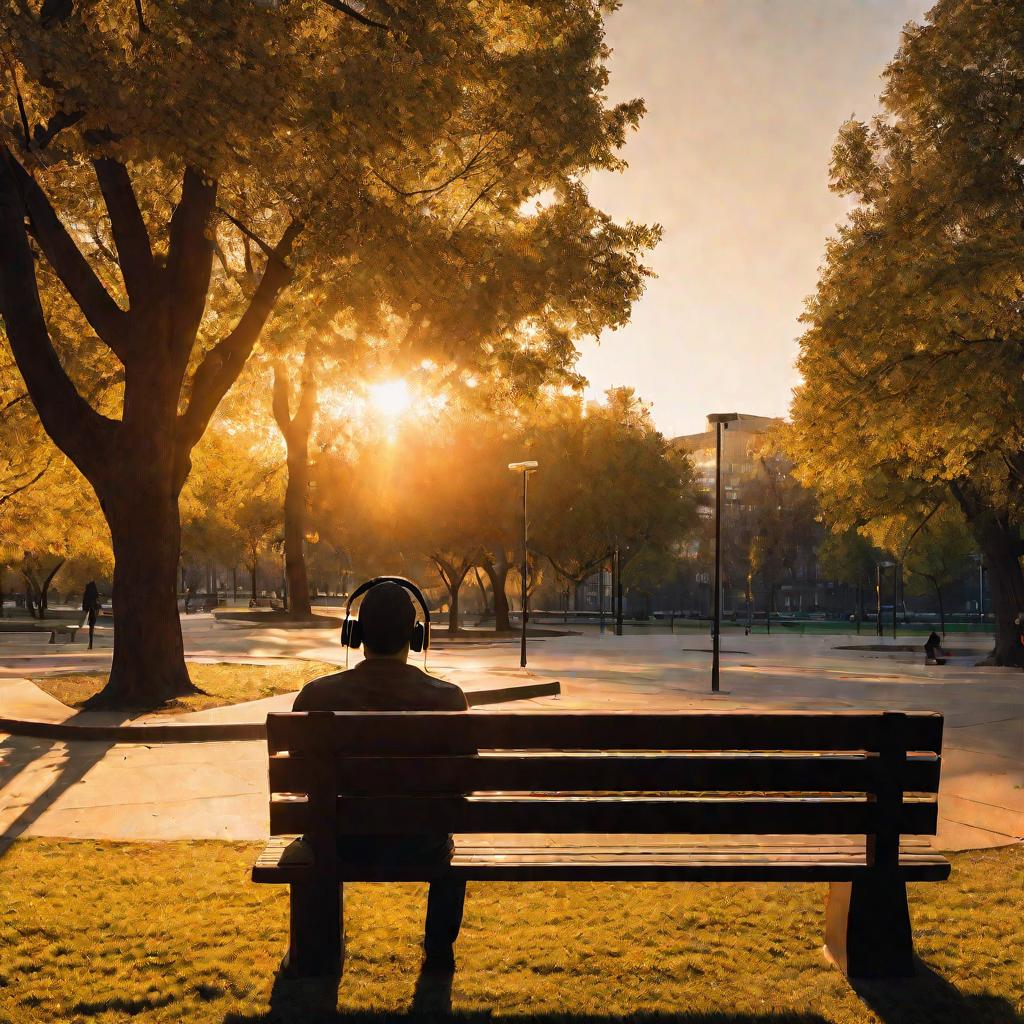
(878, 597)
(721, 420)
(526, 468)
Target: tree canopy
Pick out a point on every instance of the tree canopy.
(169, 182)
(912, 358)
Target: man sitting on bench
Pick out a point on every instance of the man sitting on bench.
(933, 652)
(385, 681)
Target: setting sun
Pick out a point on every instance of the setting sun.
(390, 398)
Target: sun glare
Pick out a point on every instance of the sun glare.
(390, 398)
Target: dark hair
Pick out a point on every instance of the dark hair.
(387, 617)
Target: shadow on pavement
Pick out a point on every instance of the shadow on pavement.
(18, 752)
(929, 997)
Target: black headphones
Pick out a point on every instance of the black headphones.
(352, 628)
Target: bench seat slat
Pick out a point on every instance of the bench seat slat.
(290, 860)
(816, 772)
(404, 733)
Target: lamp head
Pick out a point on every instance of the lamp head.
(724, 418)
(523, 467)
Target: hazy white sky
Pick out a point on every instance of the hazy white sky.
(744, 99)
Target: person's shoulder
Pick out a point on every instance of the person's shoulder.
(448, 694)
(314, 694)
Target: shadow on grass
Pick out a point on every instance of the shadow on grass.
(293, 1001)
(929, 997)
(926, 998)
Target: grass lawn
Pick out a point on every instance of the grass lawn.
(220, 684)
(109, 932)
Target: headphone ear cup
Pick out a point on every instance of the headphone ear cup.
(416, 641)
(346, 631)
(355, 634)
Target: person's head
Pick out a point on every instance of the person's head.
(387, 617)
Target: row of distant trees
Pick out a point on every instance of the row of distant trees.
(430, 495)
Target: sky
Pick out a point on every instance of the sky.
(744, 100)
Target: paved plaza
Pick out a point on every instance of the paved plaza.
(218, 789)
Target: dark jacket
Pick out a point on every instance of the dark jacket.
(381, 684)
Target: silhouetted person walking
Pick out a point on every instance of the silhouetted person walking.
(90, 607)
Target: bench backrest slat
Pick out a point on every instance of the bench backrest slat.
(765, 816)
(404, 732)
(555, 773)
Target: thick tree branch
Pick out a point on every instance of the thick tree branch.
(101, 311)
(584, 571)
(279, 402)
(14, 401)
(247, 232)
(223, 363)
(73, 424)
(464, 171)
(350, 11)
(190, 257)
(53, 12)
(302, 421)
(25, 486)
(135, 254)
(43, 135)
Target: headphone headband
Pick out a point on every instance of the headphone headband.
(400, 581)
(423, 629)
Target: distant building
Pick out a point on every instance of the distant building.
(740, 444)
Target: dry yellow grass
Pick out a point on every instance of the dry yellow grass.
(220, 684)
(106, 932)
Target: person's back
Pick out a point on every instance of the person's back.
(386, 682)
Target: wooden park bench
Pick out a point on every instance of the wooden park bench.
(708, 797)
(27, 636)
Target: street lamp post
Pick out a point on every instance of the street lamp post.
(721, 420)
(617, 589)
(878, 599)
(526, 468)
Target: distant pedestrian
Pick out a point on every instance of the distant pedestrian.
(90, 607)
(188, 600)
(933, 650)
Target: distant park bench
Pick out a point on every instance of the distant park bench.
(809, 780)
(57, 635)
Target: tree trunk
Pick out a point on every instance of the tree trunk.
(1007, 586)
(295, 494)
(1000, 543)
(252, 578)
(137, 464)
(149, 655)
(497, 573)
(486, 604)
(453, 610)
(453, 576)
(44, 590)
(942, 609)
(296, 430)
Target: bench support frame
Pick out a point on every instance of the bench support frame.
(316, 932)
(867, 928)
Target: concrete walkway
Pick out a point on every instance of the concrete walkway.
(218, 789)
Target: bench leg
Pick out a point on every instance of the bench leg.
(316, 941)
(867, 928)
